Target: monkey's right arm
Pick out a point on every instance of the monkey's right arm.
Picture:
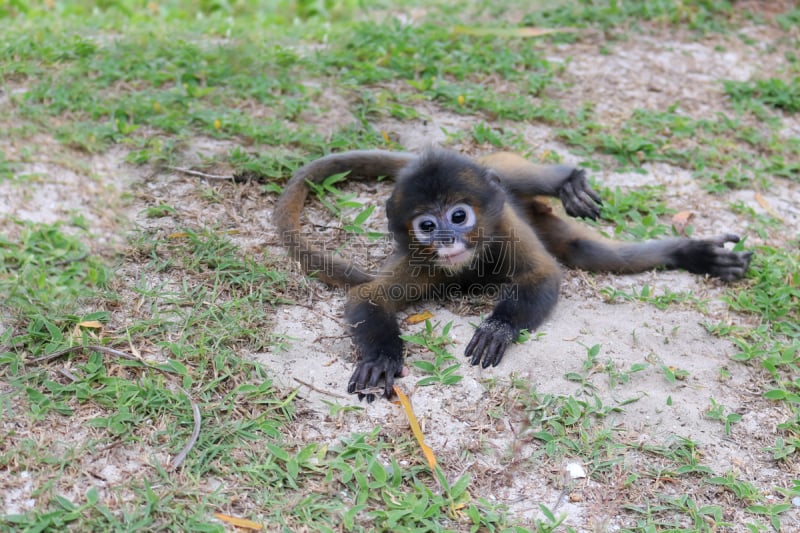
(523, 180)
(370, 312)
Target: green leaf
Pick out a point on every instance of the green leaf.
(278, 452)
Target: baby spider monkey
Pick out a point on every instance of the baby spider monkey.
(459, 222)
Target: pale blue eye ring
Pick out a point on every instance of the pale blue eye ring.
(461, 215)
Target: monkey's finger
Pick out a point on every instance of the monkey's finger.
(488, 354)
(476, 347)
(491, 354)
(392, 370)
(579, 202)
(358, 382)
(593, 194)
(388, 380)
(725, 238)
(590, 211)
(726, 258)
(494, 353)
(470, 346)
(388, 389)
(476, 357)
(590, 208)
(352, 385)
(581, 186)
(730, 275)
(374, 373)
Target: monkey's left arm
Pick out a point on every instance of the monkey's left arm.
(525, 301)
(524, 306)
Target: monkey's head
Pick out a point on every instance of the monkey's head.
(445, 206)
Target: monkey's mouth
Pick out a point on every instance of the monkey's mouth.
(450, 257)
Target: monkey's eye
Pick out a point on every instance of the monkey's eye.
(427, 226)
(461, 215)
(424, 226)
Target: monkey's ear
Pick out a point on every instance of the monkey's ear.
(493, 177)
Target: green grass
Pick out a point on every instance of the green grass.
(772, 92)
(699, 16)
(187, 302)
(636, 214)
(445, 366)
(47, 275)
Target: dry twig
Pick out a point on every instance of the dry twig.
(321, 391)
(199, 174)
(178, 459)
(96, 348)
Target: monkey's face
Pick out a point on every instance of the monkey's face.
(443, 209)
(447, 233)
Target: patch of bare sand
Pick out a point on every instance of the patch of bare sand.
(654, 72)
(60, 186)
(457, 421)
(628, 333)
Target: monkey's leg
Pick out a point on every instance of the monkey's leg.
(521, 179)
(699, 256)
(576, 247)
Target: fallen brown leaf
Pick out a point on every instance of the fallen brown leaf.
(419, 317)
(680, 221)
(415, 429)
(239, 522)
(767, 207)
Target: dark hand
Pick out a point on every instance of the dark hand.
(489, 342)
(369, 371)
(709, 256)
(578, 198)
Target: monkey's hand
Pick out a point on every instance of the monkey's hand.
(489, 342)
(709, 256)
(369, 371)
(577, 196)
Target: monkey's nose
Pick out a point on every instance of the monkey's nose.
(444, 237)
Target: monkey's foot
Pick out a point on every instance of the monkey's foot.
(709, 256)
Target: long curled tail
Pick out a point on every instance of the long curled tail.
(362, 164)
